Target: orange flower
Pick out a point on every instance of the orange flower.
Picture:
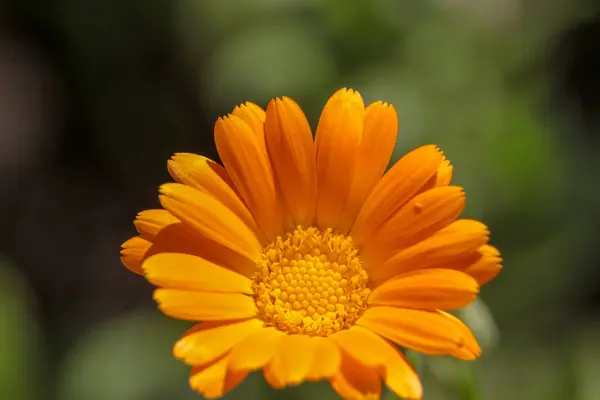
(304, 260)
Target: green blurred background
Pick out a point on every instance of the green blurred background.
(96, 95)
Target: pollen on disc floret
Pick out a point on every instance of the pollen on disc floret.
(311, 282)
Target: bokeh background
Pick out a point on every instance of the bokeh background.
(96, 95)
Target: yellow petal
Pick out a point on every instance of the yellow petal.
(151, 222)
(292, 362)
(292, 152)
(397, 187)
(185, 271)
(374, 351)
(215, 380)
(247, 163)
(207, 176)
(420, 218)
(487, 267)
(355, 380)
(208, 341)
(441, 250)
(201, 306)
(327, 359)
(337, 140)
(255, 350)
(428, 289)
(428, 332)
(210, 218)
(133, 252)
(374, 152)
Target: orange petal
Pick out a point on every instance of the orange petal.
(215, 380)
(196, 171)
(201, 306)
(374, 152)
(374, 351)
(178, 238)
(254, 117)
(181, 238)
(247, 163)
(487, 267)
(428, 332)
(355, 380)
(440, 250)
(185, 271)
(271, 378)
(292, 152)
(292, 361)
(208, 341)
(151, 222)
(157, 237)
(133, 252)
(256, 350)
(337, 139)
(397, 187)
(207, 176)
(442, 177)
(210, 218)
(420, 218)
(428, 289)
(327, 359)
(444, 173)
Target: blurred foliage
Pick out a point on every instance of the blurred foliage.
(465, 76)
(21, 356)
(122, 360)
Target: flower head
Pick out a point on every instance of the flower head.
(301, 258)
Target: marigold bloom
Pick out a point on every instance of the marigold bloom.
(301, 258)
